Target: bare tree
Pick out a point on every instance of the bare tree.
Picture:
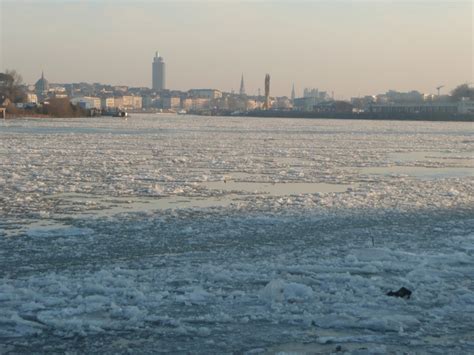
(11, 85)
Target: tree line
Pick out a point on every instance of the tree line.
(13, 89)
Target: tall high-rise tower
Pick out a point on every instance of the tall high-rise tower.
(158, 73)
(242, 86)
(266, 104)
(293, 95)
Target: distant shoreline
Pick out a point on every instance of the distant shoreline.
(296, 115)
(442, 117)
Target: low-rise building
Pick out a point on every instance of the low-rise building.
(128, 102)
(171, 103)
(201, 103)
(31, 98)
(107, 103)
(305, 103)
(187, 104)
(362, 103)
(87, 102)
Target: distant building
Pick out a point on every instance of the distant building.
(333, 107)
(31, 98)
(242, 86)
(57, 91)
(158, 73)
(187, 104)
(120, 88)
(205, 93)
(171, 103)
(147, 101)
(315, 93)
(42, 86)
(201, 103)
(403, 97)
(87, 102)
(195, 103)
(128, 102)
(107, 103)
(283, 103)
(304, 103)
(362, 103)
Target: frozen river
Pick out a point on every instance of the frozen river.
(214, 235)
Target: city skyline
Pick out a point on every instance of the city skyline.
(207, 44)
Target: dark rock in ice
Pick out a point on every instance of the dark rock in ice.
(402, 292)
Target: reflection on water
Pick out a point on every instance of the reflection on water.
(276, 189)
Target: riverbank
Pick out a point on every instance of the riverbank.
(362, 115)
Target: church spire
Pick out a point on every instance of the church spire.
(242, 85)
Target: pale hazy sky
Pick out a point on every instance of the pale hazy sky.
(352, 47)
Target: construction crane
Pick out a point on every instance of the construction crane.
(439, 88)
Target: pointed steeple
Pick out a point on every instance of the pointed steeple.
(242, 86)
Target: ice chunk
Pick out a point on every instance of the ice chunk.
(281, 291)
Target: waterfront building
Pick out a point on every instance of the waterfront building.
(107, 103)
(147, 101)
(87, 102)
(201, 103)
(128, 102)
(305, 103)
(195, 103)
(171, 103)
(187, 104)
(158, 73)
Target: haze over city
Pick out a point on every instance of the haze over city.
(349, 47)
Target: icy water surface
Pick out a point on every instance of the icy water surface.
(215, 235)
